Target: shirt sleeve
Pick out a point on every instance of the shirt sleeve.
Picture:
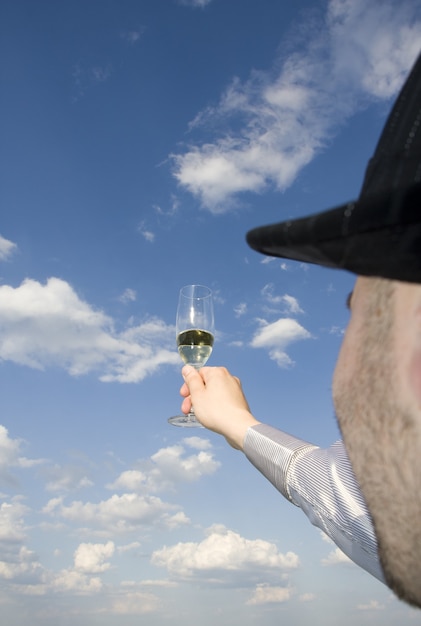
(322, 483)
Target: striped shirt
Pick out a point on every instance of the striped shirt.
(321, 482)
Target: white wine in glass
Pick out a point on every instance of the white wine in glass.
(195, 335)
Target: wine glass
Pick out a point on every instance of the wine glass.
(195, 334)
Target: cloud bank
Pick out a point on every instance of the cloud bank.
(222, 557)
(356, 53)
(223, 551)
(49, 325)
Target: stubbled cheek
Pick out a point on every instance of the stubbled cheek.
(345, 363)
(415, 375)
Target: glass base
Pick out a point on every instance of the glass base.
(185, 421)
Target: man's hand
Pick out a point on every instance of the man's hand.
(219, 402)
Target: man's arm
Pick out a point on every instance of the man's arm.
(321, 482)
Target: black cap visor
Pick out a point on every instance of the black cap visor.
(378, 235)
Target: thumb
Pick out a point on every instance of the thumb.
(192, 378)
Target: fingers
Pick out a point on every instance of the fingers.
(184, 390)
(186, 405)
(219, 402)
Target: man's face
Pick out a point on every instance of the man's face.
(380, 419)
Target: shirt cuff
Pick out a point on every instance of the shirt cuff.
(274, 453)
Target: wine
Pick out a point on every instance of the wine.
(195, 346)
(194, 335)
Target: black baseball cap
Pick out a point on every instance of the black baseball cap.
(380, 233)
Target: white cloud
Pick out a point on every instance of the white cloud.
(307, 597)
(336, 330)
(174, 206)
(276, 337)
(134, 506)
(85, 77)
(10, 456)
(52, 505)
(197, 443)
(168, 467)
(130, 480)
(131, 598)
(135, 545)
(91, 558)
(133, 603)
(21, 568)
(266, 594)
(374, 44)
(222, 552)
(374, 605)
(145, 232)
(66, 478)
(176, 521)
(117, 515)
(171, 465)
(336, 557)
(17, 562)
(12, 522)
(240, 309)
(357, 52)
(195, 3)
(170, 584)
(49, 325)
(291, 304)
(70, 580)
(100, 73)
(133, 36)
(7, 248)
(128, 295)
(286, 303)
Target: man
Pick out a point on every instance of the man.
(364, 493)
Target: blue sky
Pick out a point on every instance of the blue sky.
(140, 141)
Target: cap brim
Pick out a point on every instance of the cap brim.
(311, 239)
(375, 236)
